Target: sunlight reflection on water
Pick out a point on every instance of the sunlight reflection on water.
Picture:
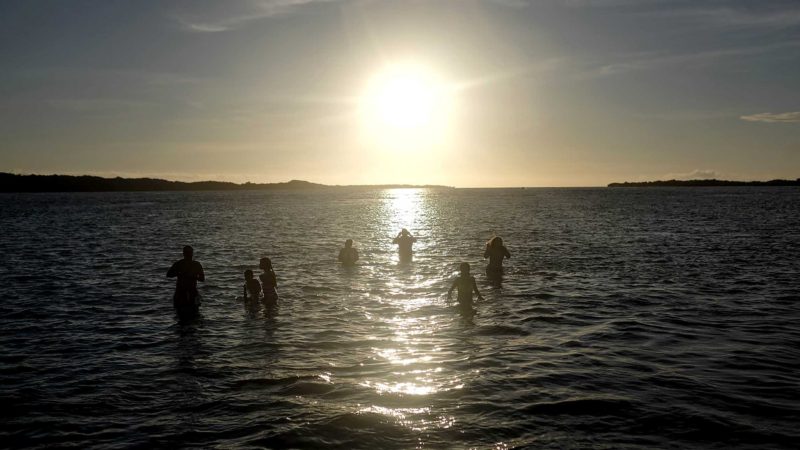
(602, 300)
(404, 208)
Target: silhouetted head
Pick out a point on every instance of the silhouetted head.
(404, 232)
(188, 251)
(348, 243)
(265, 264)
(464, 268)
(248, 274)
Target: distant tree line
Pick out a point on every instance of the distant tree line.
(712, 182)
(10, 182)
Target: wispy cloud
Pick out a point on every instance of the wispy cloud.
(647, 61)
(786, 117)
(766, 18)
(97, 105)
(237, 15)
(763, 14)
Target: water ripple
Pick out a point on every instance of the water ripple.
(634, 318)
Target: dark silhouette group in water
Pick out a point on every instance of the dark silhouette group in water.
(188, 272)
(266, 284)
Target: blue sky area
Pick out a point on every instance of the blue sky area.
(539, 93)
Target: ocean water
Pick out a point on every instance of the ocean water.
(627, 318)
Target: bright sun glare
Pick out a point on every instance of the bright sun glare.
(405, 105)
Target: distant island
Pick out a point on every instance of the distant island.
(701, 183)
(10, 182)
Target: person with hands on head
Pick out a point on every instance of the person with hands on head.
(404, 241)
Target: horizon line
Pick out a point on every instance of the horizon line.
(311, 184)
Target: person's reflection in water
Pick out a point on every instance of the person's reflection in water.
(496, 252)
(348, 255)
(404, 241)
(186, 299)
(465, 284)
(186, 380)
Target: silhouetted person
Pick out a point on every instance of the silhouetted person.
(495, 251)
(465, 284)
(269, 282)
(348, 255)
(186, 299)
(252, 288)
(404, 240)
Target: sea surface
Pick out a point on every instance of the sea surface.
(626, 318)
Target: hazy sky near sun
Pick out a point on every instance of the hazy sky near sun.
(541, 93)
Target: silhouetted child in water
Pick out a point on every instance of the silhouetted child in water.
(495, 251)
(465, 284)
(269, 282)
(252, 288)
(348, 255)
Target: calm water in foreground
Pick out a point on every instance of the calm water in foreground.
(640, 318)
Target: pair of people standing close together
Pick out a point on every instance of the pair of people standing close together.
(465, 283)
(268, 285)
(188, 272)
(348, 255)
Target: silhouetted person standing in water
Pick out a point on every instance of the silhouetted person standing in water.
(269, 282)
(495, 251)
(348, 255)
(404, 240)
(186, 299)
(465, 284)
(252, 288)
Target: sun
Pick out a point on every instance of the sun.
(405, 105)
(403, 98)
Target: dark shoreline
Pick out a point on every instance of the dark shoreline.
(705, 183)
(10, 182)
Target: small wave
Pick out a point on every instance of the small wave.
(501, 330)
(590, 406)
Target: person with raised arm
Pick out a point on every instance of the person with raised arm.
(404, 241)
(496, 252)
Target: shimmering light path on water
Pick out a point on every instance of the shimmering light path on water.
(630, 317)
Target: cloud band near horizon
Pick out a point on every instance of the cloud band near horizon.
(786, 117)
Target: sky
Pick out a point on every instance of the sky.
(460, 93)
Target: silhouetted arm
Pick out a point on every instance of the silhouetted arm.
(475, 288)
(341, 256)
(486, 252)
(355, 255)
(173, 271)
(244, 293)
(505, 252)
(201, 276)
(450, 292)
